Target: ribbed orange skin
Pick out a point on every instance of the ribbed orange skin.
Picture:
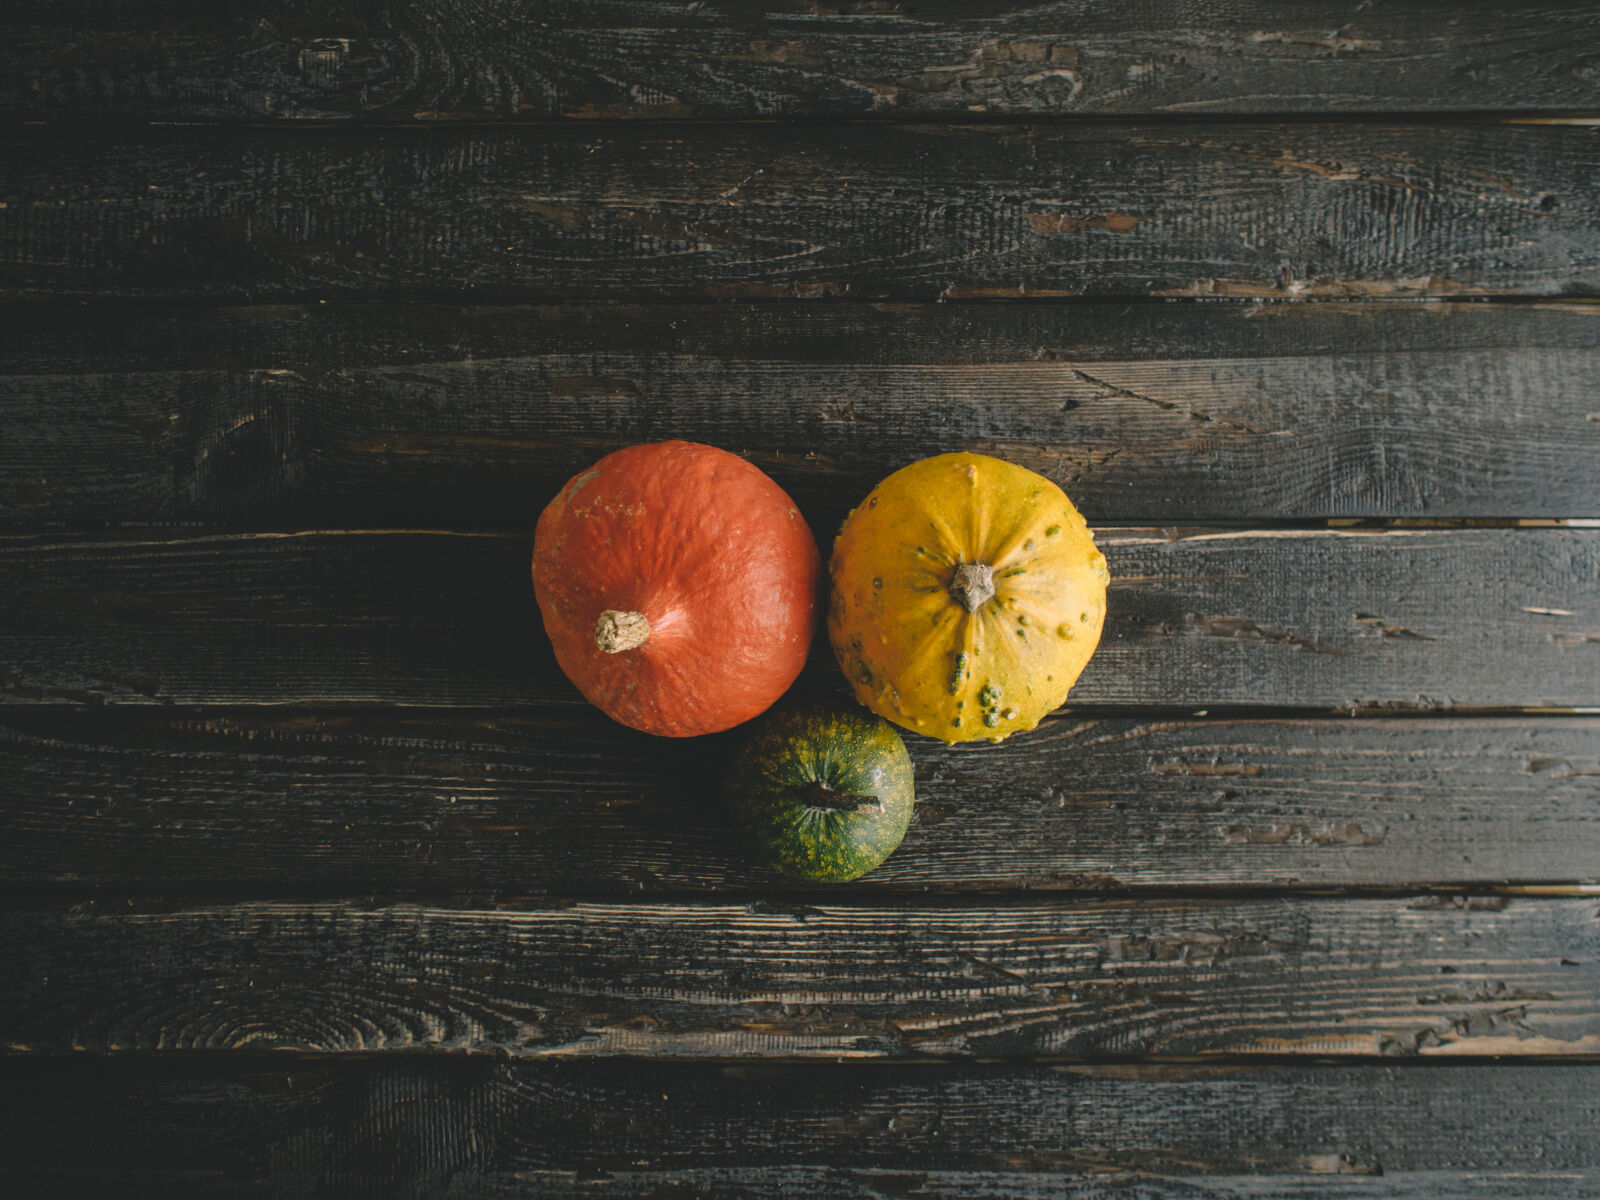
(717, 558)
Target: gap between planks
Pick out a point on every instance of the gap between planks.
(314, 127)
(124, 901)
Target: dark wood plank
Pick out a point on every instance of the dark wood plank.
(442, 417)
(810, 1182)
(1288, 975)
(1314, 619)
(286, 59)
(829, 1183)
(868, 211)
(567, 802)
(419, 1127)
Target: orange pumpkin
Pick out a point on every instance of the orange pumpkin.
(678, 585)
(967, 597)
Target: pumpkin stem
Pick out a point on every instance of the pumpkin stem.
(973, 585)
(618, 631)
(820, 795)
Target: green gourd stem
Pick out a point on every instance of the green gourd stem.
(820, 795)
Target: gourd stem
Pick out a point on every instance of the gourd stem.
(973, 585)
(617, 631)
(820, 795)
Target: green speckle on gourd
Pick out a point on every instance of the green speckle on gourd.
(1053, 531)
(958, 674)
(989, 698)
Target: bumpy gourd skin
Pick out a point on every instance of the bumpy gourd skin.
(853, 755)
(909, 645)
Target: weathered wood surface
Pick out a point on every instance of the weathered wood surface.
(476, 1128)
(467, 419)
(1316, 619)
(807, 1182)
(1394, 976)
(161, 867)
(830, 1183)
(286, 59)
(568, 803)
(866, 211)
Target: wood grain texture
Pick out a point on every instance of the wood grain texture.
(499, 1041)
(1365, 977)
(1112, 209)
(807, 1182)
(448, 418)
(568, 803)
(1425, 619)
(291, 60)
(475, 1128)
(826, 1183)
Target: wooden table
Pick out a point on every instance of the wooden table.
(321, 880)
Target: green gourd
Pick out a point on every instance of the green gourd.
(822, 791)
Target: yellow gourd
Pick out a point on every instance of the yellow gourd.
(967, 596)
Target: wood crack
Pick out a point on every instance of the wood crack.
(1125, 393)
